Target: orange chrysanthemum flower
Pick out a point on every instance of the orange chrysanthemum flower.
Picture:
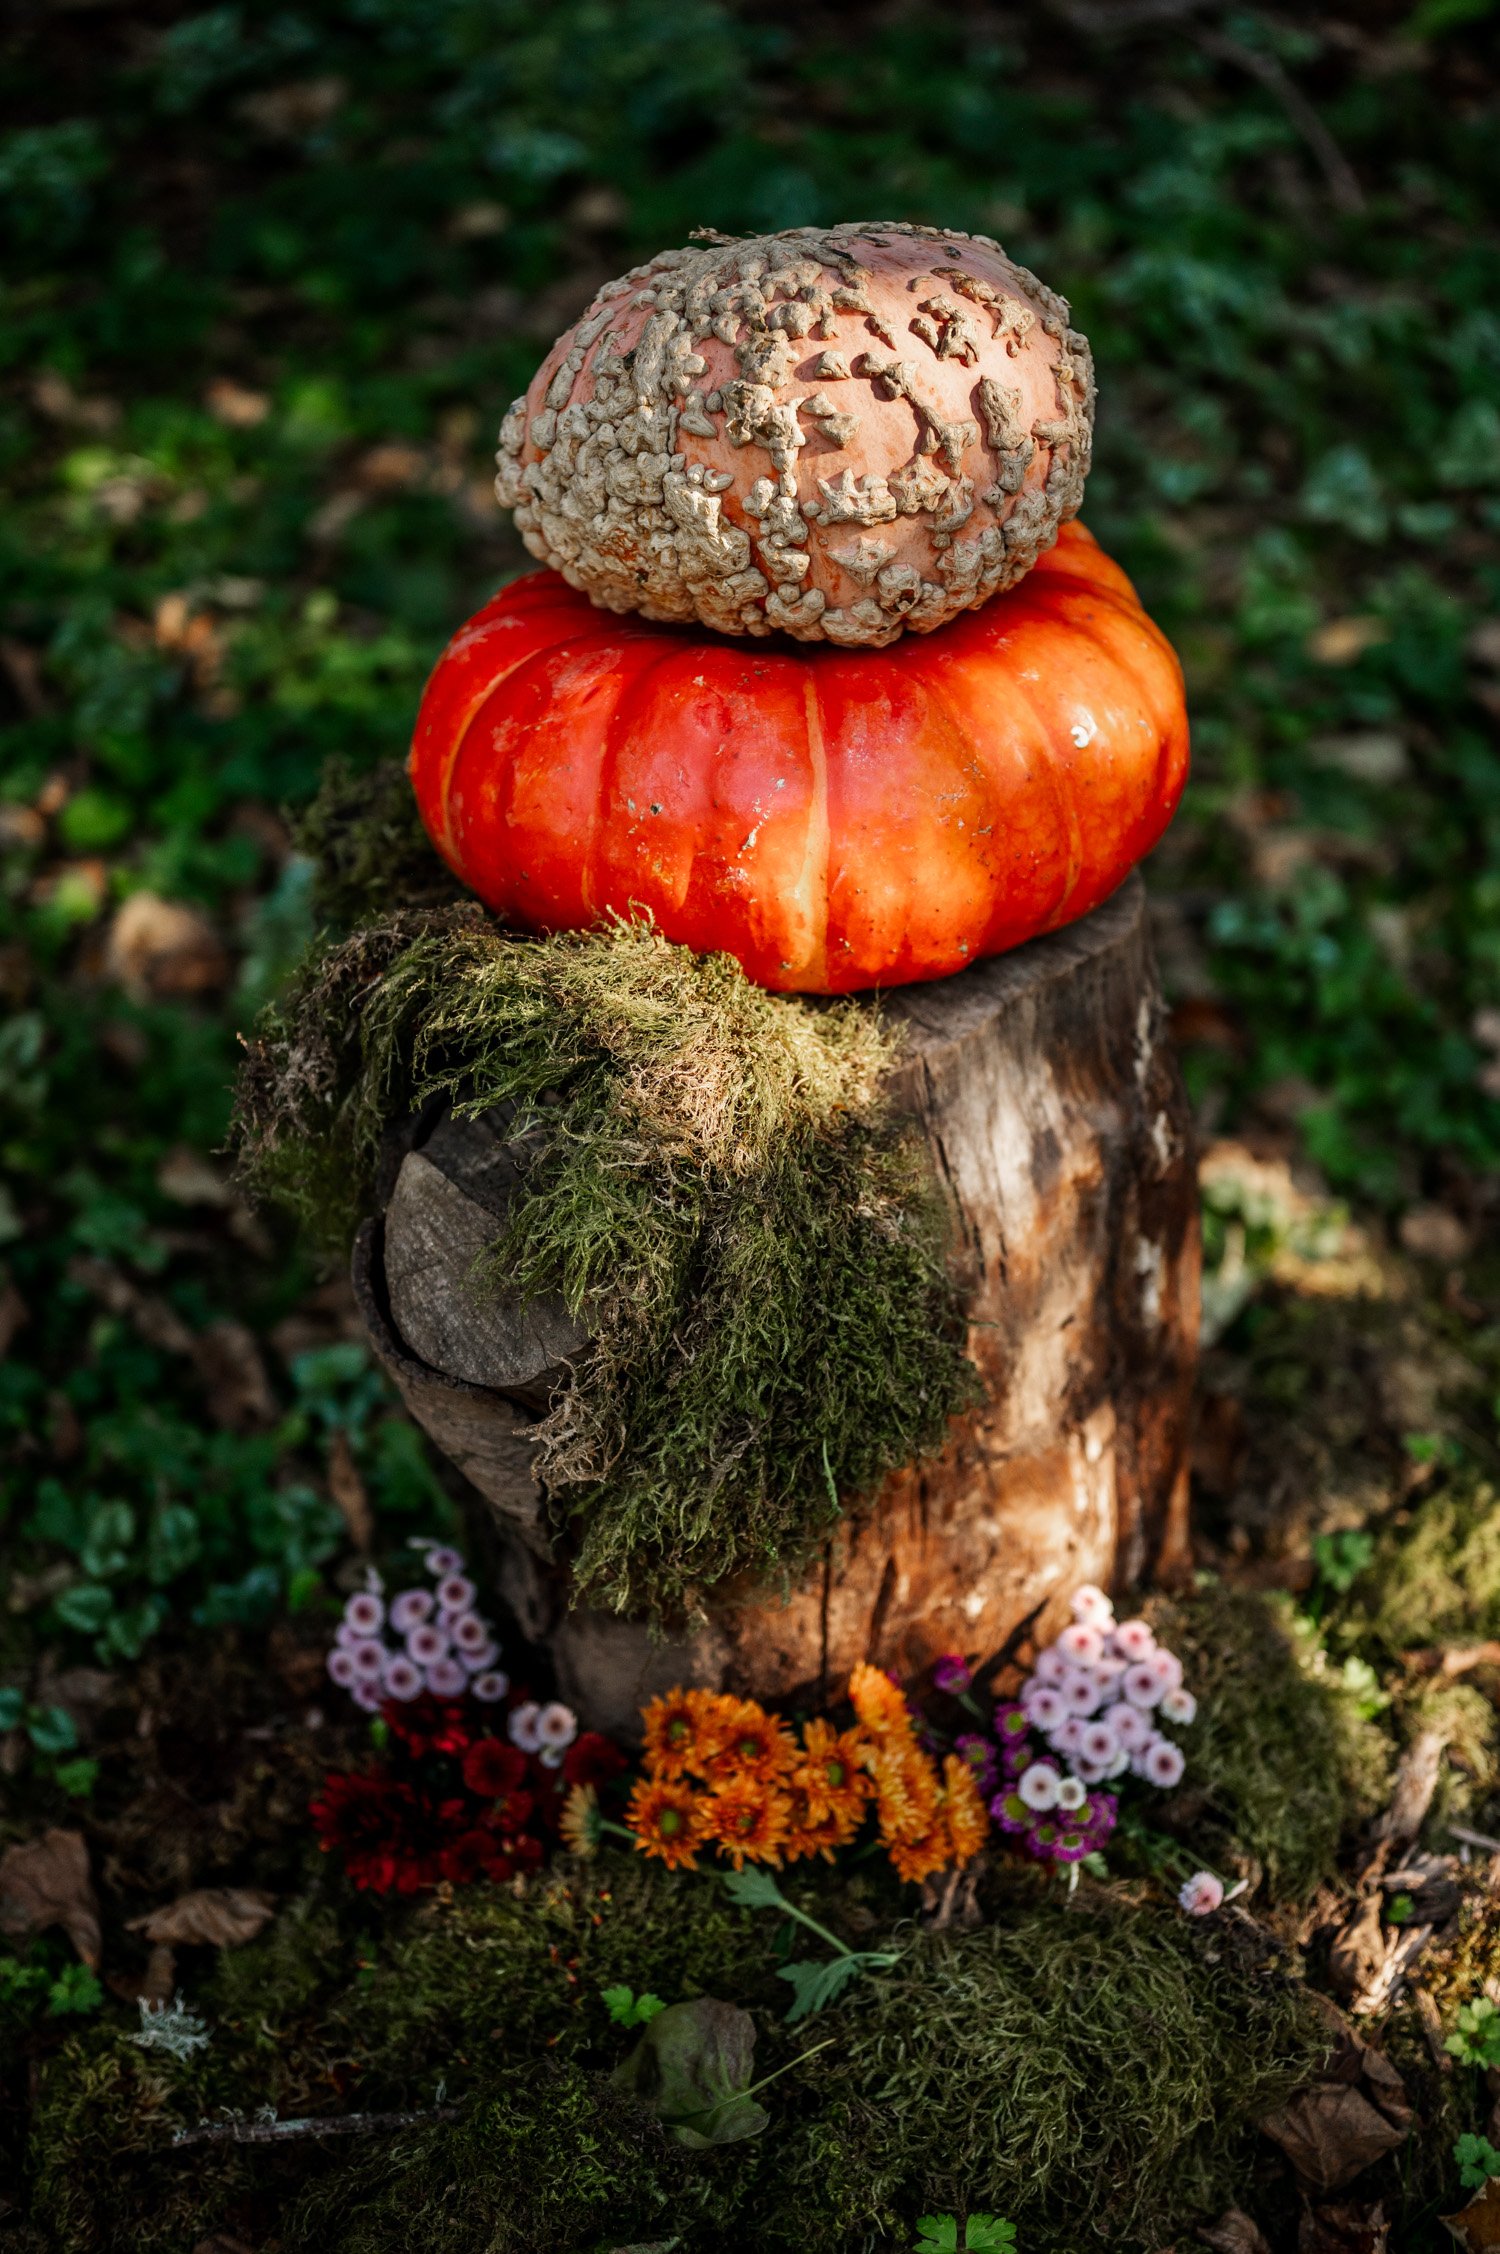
(879, 1702)
(919, 1858)
(963, 1809)
(667, 1821)
(749, 1821)
(830, 1772)
(682, 1731)
(906, 1791)
(812, 1834)
(754, 1747)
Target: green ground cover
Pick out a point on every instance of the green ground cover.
(268, 279)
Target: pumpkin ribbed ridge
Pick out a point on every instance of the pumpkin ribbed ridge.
(834, 819)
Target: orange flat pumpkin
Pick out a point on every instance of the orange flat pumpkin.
(835, 819)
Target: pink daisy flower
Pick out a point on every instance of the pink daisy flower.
(1133, 1640)
(1071, 1794)
(1162, 1763)
(369, 1696)
(1179, 1705)
(1068, 1736)
(446, 1678)
(1098, 1744)
(1089, 1772)
(491, 1687)
(1080, 1643)
(1140, 1686)
(468, 1632)
(1168, 1668)
(1130, 1725)
(456, 1593)
(403, 1679)
(439, 1561)
(342, 1668)
(426, 1645)
(1201, 1894)
(480, 1662)
(556, 1726)
(365, 1613)
(410, 1609)
(1038, 1786)
(1090, 1604)
(1051, 1666)
(369, 1661)
(522, 1726)
(1046, 1707)
(1081, 1691)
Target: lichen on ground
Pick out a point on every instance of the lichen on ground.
(713, 1183)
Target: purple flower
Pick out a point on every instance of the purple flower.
(446, 1678)
(1098, 1743)
(1071, 1846)
(342, 1668)
(1068, 1736)
(491, 1687)
(467, 1631)
(1016, 1756)
(1132, 1728)
(1051, 1666)
(369, 1661)
(979, 1754)
(439, 1561)
(455, 1593)
(951, 1674)
(1010, 1722)
(410, 1609)
(365, 1613)
(369, 1696)
(1099, 1814)
(480, 1662)
(1081, 1690)
(1010, 1812)
(522, 1726)
(1046, 1707)
(1042, 1839)
(426, 1645)
(1168, 1668)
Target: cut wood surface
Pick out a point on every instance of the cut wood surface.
(1052, 1103)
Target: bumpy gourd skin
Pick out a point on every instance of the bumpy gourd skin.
(834, 819)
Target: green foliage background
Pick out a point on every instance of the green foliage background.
(270, 277)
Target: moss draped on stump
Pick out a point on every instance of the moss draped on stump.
(712, 1181)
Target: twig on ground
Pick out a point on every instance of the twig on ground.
(313, 2125)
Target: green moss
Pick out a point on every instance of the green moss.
(755, 1243)
(1435, 1576)
(1088, 2066)
(1280, 1749)
(364, 834)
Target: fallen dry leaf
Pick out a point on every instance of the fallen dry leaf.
(234, 404)
(1330, 2134)
(164, 948)
(1477, 2226)
(1234, 2233)
(1431, 1232)
(1359, 1951)
(46, 1882)
(1339, 641)
(1344, 2227)
(218, 1917)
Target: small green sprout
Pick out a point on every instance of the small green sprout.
(627, 2009)
(1476, 2040)
(982, 2234)
(1478, 2161)
(1399, 1909)
(814, 1983)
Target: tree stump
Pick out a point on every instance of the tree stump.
(1059, 1128)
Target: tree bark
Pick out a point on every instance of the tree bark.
(1059, 1128)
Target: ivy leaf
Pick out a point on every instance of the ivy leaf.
(814, 1985)
(694, 2066)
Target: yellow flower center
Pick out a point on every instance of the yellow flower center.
(669, 1823)
(836, 1773)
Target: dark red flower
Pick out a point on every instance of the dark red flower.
(492, 1768)
(380, 1828)
(428, 1725)
(476, 1854)
(591, 1759)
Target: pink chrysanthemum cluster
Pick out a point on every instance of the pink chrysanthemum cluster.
(422, 1639)
(1090, 1712)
